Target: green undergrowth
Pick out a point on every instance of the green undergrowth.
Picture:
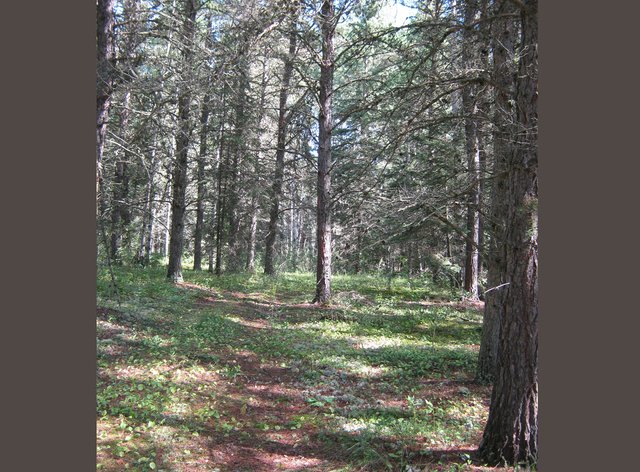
(382, 377)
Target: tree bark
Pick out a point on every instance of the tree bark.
(221, 202)
(250, 265)
(276, 189)
(146, 231)
(511, 434)
(323, 228)
(503, 33)
(199, 229)
(149, 238)
(120, 217)
(178, 205)
(121, 214)
(472, 147)
(167, 210)
(238, 150)
(104, 86)
(484, 107)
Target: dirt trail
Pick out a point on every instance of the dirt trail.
(272, 397)
(265, 421)
(267, 402)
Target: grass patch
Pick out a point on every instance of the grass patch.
(243, 363)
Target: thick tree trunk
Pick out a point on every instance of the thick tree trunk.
(511, 434)
(199, 229)
(323, 229)
(104, 86)
(178, 205)
(276, 189)
(178, 199)
(504, 31)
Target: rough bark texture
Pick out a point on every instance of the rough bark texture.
(276, 189)
(104, 85)
(503, 50)
(511, 434)
(323, 231)
(178, 203)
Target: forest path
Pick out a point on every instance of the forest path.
(263, 400)
(252, 380)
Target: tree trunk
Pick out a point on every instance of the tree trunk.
(146, 232)
(120, 209)
(504, 31)
(484, 106)
(121, 214)
(511, 434)
(199, 229)
(104, 86)
(178, 205)
(482, 172)
(323, 230)
(469, 93)
(149, 241)
(238, 149)
(215, 212)
(250, 264)
(221, 201)
(276, 189)
(472, 243)
(167, 214)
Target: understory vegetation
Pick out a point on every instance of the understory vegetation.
(241, 373)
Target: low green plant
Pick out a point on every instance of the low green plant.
(167, 365)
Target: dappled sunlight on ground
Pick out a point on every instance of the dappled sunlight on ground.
(197, 377)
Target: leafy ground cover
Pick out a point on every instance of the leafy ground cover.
(239, 373)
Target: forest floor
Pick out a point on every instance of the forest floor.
(240, 373)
